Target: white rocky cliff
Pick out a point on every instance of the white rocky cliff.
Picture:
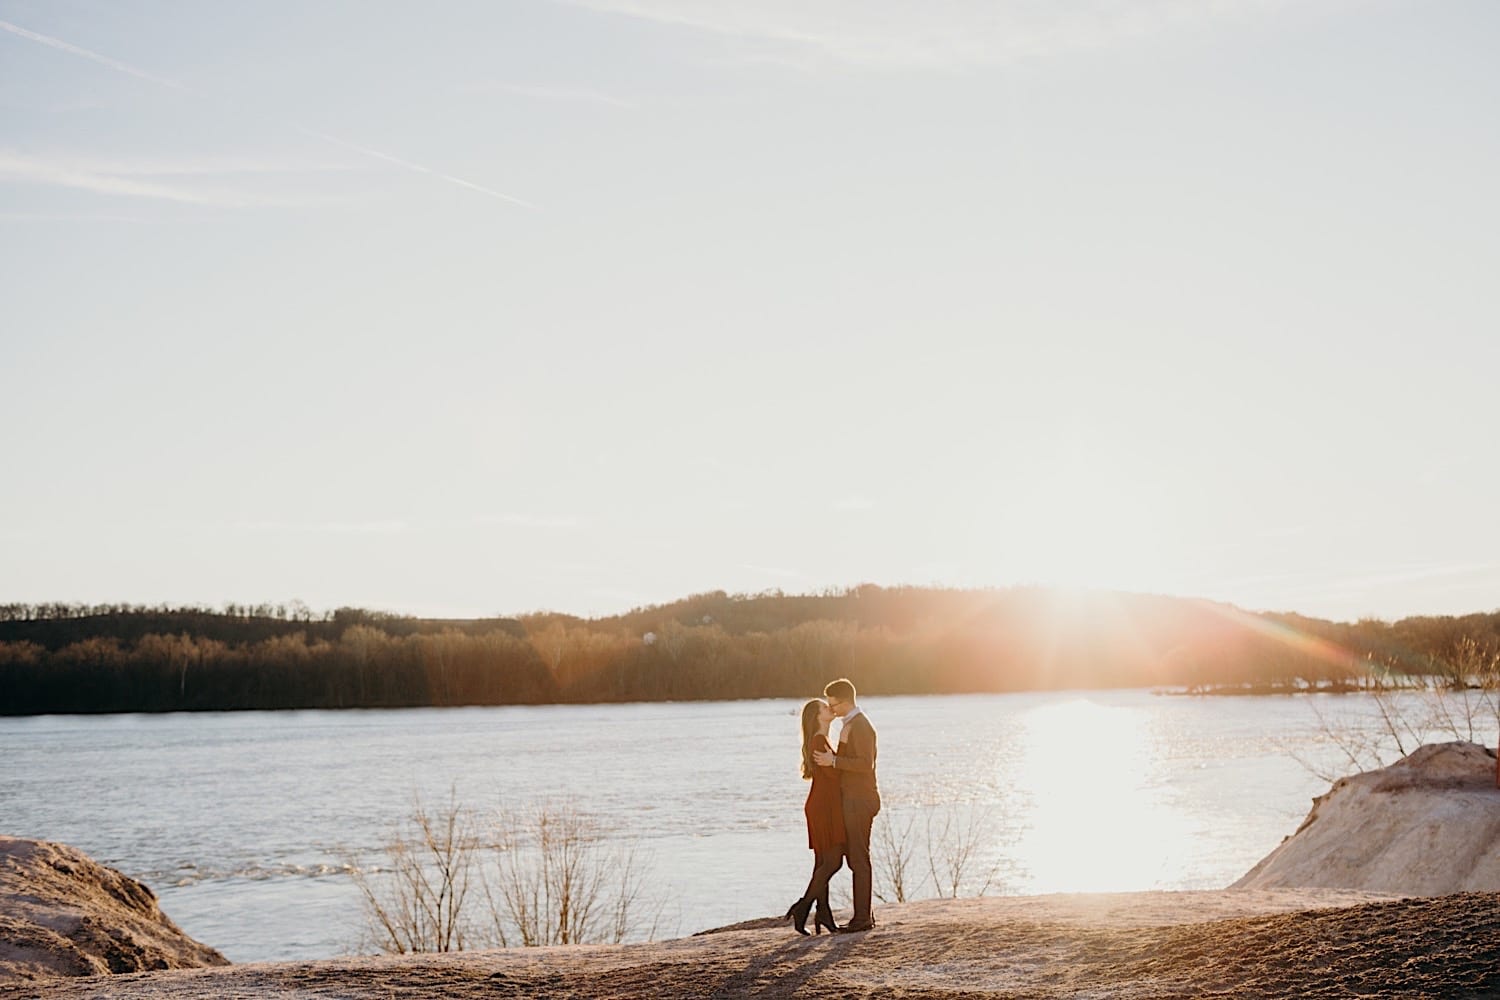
(1428, 825)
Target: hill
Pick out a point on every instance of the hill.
(900, 640)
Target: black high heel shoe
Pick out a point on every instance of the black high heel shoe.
(797, 914)
(823, 920)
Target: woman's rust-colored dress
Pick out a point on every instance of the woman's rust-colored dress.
(825, 806)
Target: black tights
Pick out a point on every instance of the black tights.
(826, 864)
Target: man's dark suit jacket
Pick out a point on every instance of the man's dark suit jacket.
(856, 760)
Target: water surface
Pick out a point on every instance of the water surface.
(241, 821)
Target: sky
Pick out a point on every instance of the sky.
(481, 308)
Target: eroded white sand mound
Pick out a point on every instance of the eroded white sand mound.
(64, 914)
(1428, 825)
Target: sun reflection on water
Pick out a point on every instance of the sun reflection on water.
(1098, 816)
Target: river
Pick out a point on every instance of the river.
(244, 823)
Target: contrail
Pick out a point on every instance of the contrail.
(58, 43)
(417, 167)
(126, 68)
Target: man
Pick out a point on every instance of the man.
(855, 760)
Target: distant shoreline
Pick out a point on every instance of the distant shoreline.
(708, 647)
(1174, 692)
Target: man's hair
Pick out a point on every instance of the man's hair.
(840, 690)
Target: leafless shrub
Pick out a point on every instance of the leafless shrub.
(539, 876)
(952, 841)
(955, 837)
(893, 851)
(1468, 704)
(1351, 745)
(556, 881)
(420, 903)
(1459, 700)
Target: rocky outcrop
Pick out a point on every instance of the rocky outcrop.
(64, 914)
(1428, 825)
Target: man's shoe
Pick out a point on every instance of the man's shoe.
(853, 928)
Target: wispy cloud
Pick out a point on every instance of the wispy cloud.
(135, 71)
(575, 95)
(1319, 581)
(933, 34)
(1410, 574)
(417, 167)
(620, 599)
(205, 166)
(776, 571)
(326, 527)
(84, 217)
(1284, 531)
(528, 521)
(102, 179)
(17, 100)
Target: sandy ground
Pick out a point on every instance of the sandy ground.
(1227, 943)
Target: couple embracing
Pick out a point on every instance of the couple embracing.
(841, 806)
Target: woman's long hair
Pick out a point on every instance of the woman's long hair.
(809, 730)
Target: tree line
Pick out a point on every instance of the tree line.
(904, 640)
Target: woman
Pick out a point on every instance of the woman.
(825, 820)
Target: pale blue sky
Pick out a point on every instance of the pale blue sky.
(466, 308)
